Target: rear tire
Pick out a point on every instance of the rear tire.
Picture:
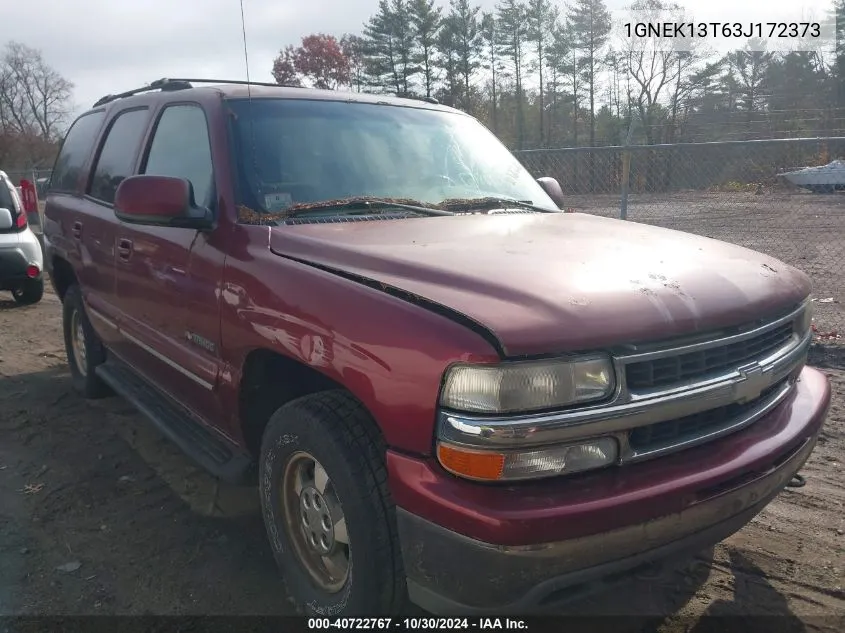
(83, 347)
(29, 292)
(326, 446)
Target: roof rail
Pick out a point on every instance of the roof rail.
(167, 84)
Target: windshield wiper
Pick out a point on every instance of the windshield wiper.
(489, 202)
(364, 204)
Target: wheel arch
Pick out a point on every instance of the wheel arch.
(62, 276)
(269, 380)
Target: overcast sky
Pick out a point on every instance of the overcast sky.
(106, 46)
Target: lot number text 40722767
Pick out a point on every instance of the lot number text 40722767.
(417, 623)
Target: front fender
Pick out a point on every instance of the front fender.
(388, 352)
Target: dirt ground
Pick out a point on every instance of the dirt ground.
(100, 515)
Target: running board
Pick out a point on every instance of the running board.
(215, 454)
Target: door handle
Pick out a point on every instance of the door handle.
(124, 249)
(76, 230)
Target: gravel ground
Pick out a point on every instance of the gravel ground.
(802, 229)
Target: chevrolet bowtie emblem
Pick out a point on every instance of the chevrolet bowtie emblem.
(751, 384)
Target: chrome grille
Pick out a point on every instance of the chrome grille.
(653, 437)
(662, 372)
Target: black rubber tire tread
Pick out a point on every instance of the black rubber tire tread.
(90, 386)
(32, 291)
(347, 426)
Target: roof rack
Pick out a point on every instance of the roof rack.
(168, 84)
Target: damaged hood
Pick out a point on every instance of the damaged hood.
(548, 283)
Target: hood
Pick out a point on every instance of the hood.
(550, 283)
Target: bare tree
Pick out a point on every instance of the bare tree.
(355, 48)
(749, 68)
(692, 73)
(652, 71)
(34, 98)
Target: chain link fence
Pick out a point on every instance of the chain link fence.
(742, 192)
(38, 176)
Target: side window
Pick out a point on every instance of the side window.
(117, 155)
(77, 146)
(7, 196)
(181, 148)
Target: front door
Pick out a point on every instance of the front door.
(166, 278)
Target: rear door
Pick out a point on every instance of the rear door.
(93, 226)
(67, 213)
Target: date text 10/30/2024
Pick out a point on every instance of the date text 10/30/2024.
(416, 624)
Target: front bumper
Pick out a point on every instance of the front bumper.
(607, 524)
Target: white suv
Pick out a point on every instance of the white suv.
(21, 258)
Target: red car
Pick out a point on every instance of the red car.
(447, 390)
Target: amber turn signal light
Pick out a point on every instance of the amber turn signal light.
(481, 465)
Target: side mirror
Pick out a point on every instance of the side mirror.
(552, 188)
(6, 221)
(160, 201)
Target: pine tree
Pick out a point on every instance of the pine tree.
(512, 28)
(467, 40)
(391, 47)
(427, 21)
(591, 25)
(406, 45)
(490, 37)
(542, 17)
(382, 64)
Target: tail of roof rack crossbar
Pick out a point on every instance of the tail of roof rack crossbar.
(168, 84)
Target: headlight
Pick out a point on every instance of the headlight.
(804, 322)
(484, 465)
(527, 385)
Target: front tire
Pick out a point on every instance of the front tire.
(82, 346)
(327, 509)
(29, 292)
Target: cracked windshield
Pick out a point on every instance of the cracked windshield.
(301, 152)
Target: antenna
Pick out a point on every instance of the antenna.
(246, 52)
(249, 100)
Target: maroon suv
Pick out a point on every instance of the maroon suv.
(446, 389)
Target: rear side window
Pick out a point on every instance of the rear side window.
(181, 148)
(116, 159)
(77, 146)
(10, 200)
(7, 200)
